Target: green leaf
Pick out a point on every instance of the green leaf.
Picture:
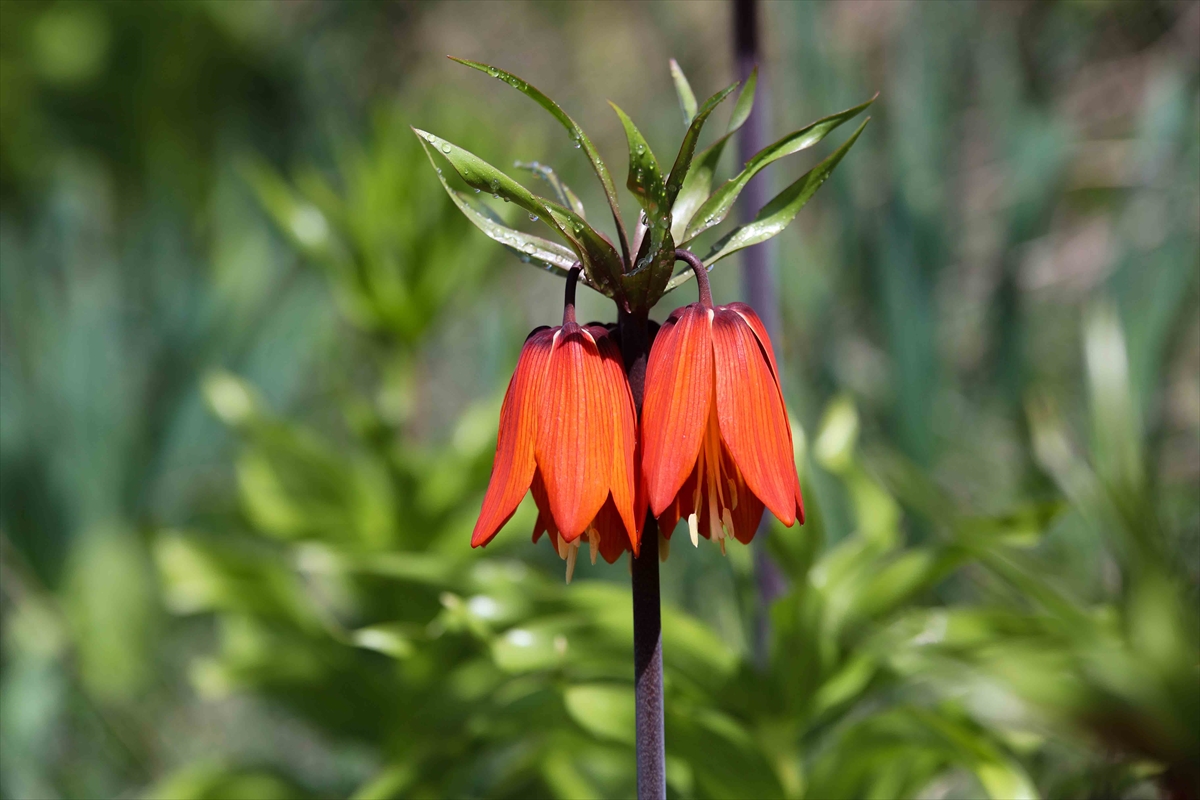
(534, 249)
(562, 192)
(645, 178)
(600, 259)
(688, 147)
(604, 710)
(698, 182)
(782, 209)
(655, 259)
(716, 208)
(687, 99)
(577, 136)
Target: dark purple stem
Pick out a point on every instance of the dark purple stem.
(701, 275)
(569, 298)
(647, 612)
(758, 277)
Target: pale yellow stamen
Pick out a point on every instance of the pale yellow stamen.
(562, 545)
(593, 542)
(572, 552)
(694, 529)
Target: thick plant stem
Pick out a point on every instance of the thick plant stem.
(647, 612)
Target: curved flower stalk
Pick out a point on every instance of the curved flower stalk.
(717, 446)
(567, 432)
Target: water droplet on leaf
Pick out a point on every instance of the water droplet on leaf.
(445, 148)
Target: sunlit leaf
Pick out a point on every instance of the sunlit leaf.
(698, 182)
(604, 710)
(600, 260)
(687, 98)
(534, 249)
(683, 160)
(782, 209)
(716, 208)
(577, 136)
(645, 179)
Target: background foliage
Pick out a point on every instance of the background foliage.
(251, 359)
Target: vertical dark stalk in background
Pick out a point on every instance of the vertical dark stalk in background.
(758, 273)
(647, 612)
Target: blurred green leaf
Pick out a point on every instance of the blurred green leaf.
(687, 99)
(562, 192)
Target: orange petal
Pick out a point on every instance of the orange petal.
(512, 468)
(747, 512)
(624, 432)
(574, 448)
(750, 411)
(675, 407)
(545, 522)
(614, 539)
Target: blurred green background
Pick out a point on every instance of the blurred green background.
(251, 360)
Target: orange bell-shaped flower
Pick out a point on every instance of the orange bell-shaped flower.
(716, 442)
(568, 431)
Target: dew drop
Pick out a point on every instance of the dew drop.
(641, 148)
(495, 73)
(533, 218)
(496, 196)
(476, 191)
(530, 247)
(445, 148)
(577, 144)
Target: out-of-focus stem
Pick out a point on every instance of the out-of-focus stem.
(759, 282)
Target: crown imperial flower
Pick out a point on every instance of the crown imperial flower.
(568, 433)
(717, 446)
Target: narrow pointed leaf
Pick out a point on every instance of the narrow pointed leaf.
(562, 192)
(715, 209)
(577, 135)
(538, 251)
(744, 104)
(688, 148)
(645, 178)
(655, 259)
(698, 183)
(599, 258)
(687, 98)
(782, 209)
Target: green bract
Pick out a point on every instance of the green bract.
(676, 207)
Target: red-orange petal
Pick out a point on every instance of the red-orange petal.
(750, 411)
(614, 539)
(748, 511)
(760, 331)
(675, 408)
(624, 434)
(512, 468)
(574, 447)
